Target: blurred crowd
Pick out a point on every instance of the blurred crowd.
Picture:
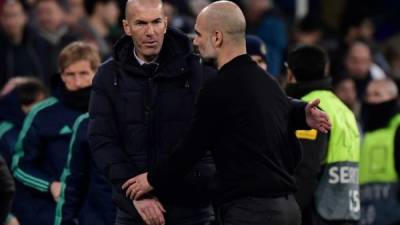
(361, 37)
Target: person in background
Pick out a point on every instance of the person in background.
(54, 34)
(380, 155)
(324, 195)
(85, 197)
(42, 146)
(257, 50)
(18, 53)
(360, 67)
(13, 108)
(14, 105)
(102, 15)
(345, 89)
(264, 21)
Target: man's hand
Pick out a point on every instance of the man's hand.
(151, 211)
(136, 187)
(55, 190)
(316, 118)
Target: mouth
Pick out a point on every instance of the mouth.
(150, 44)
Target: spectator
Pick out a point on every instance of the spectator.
(18, 55)
(95, 28)
(326, 155)
(360, 67)
(263, 21)
(380, 158)
(55, 35)
(75, 12)
(42, 146)
(257, 50)
(345, 89)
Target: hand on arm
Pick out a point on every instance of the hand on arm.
(137, 187)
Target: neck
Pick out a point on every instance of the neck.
(16, 38)
(98, 25)
(227, 54)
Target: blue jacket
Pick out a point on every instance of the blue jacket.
(84, 187)
(11, 119)
(39, 159)
(137, 118)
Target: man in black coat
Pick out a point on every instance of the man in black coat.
(247, 121)
(141, 105)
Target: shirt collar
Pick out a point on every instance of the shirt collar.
(140, 61)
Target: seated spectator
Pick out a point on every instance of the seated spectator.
(55, 35)
(13, 108)
(95, 28)
(18, 55)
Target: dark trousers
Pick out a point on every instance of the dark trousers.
(259, 211)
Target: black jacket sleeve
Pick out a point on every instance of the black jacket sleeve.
(298, 114)
(7, 190)
(202, 134)
(104, 136)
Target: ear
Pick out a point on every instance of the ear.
(127, 29)
(62, 77)
(165, 24)
(218, 38)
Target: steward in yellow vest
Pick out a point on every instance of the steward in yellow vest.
(380, 155)
(328, 174)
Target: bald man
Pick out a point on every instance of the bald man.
(380, 154)
(247, 121)
(141, 105)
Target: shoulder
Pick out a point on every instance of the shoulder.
(105, 73)
(43, 107)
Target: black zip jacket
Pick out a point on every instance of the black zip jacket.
(137, 117)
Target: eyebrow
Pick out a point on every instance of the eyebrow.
(143, 21)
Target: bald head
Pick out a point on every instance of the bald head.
(226, 17)
(381, 91)
(132, 4)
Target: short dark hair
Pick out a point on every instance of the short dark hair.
(29, 91)
(308, 62)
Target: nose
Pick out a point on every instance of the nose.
(150, 29)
